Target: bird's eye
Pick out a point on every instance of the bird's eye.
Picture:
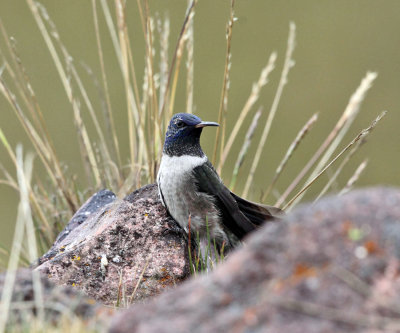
(179, 124)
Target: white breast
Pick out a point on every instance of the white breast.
(179, 164)
(181, 198)
(173, 177)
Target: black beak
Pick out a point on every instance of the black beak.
(206, 123)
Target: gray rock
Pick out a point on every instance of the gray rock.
(125, 251)
(57, 301)
(331, 267)
(94, 204)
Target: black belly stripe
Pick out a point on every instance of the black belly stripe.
(162, 199)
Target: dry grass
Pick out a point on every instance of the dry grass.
(359, 137)
(289, 153)
(334, 138)
(353, 179)
(289, 62)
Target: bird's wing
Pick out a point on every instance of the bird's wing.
(160, 194)
(236, 216)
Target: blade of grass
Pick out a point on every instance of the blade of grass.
(112, 31)
(138, 282)
(348, 115)
(200, 257)
(112, 174)
(8, 183)
(254, 95)
(207, 253)
(178, 58)
(8, 286)
(150, 61)
(153, 115)
(110, 120)
(289, 63)
(223, 104)
(353, 179)
(163, 30)
(4, 255)
(32, 196)
(192, 270)
(24, 175)
(9, 180)
(361, 135)
(43, 146)
(125, 60)
(17, 76)
(244, 149)
(79, 122)
(351, 112)
(23, 220)
(333, 178)
(38, 11)
(87, 152)
(143, 150)
(119, 291)
(178, 47)
(117, 49)
(133, 117)
(189, 67)
(23, 85)
(293, 146)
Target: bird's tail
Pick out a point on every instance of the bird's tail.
(257, 213)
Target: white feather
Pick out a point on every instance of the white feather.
(174, 167)
(180, 164)
(178, 193)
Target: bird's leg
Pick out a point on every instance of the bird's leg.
(175, 228)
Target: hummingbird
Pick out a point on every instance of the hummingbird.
(193, 193)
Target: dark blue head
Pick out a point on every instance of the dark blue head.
(183, 135)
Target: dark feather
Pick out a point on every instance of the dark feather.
(255, 212)
(238, 215)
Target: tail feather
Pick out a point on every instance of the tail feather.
(257, 213)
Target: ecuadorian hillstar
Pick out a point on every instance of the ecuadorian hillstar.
(189, 186)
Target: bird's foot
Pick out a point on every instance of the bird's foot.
(174, 229)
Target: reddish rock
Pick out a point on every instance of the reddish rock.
(124, 248)
(329, 267)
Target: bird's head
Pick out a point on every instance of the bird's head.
(183, 135)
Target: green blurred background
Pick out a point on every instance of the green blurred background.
(337, 43)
